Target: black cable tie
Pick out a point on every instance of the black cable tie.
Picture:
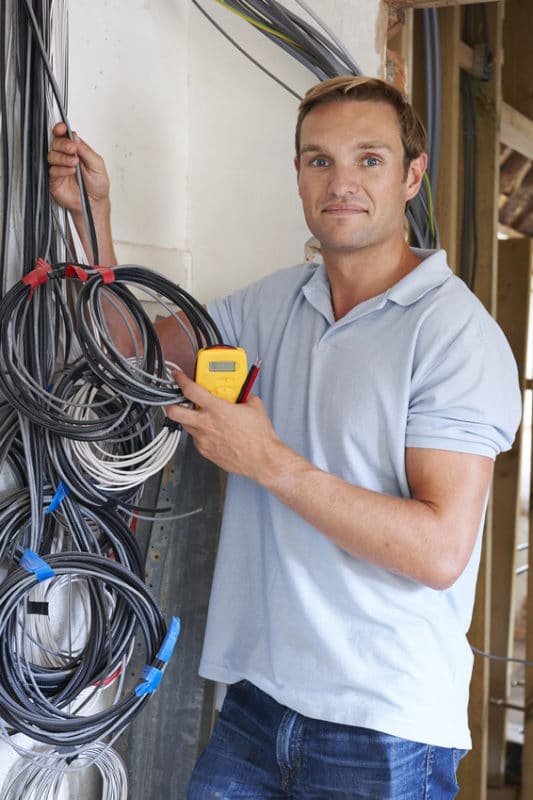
(172, 425)
(35, 607)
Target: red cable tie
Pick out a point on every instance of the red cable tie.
(73, 271)
(37, 276)
(107, 273)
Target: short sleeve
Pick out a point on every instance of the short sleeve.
(465, 393)
(229, 313)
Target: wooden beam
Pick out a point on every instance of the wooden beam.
(488, 111)
(514, 282)
(527, 753)
(448, 184)
(516, 131)
(517, 76)
(507, 793)
(433, 3)
(504, 232)
(473, 775)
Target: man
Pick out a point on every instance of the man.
(359, 476)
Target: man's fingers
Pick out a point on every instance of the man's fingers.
(185, 416)
(192, 390)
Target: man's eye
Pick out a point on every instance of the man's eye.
(371, 161)
(319, 162)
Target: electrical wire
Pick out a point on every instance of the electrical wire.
(45, 775)
(70, 637)
(34, 700)
(244, 52)
(317, 50)
(146, 378)
(507, 659)
(86, 209)
(44, 384)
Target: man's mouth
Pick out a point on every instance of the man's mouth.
(342, 209)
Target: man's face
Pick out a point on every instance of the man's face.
(351, 175)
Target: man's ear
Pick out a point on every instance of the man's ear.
(415, 175)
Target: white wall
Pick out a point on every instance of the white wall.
(198, 141)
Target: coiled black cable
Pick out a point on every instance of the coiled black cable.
(144, 378)
(34, 700)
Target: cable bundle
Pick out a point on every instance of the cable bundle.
(34, 699)
(43, 775)
(68, 625)
(318, 50)
(123, 465)
(50, 388)
(110, 471)
(98, 530)
(98, 447)
(144, 377)
(16, 529)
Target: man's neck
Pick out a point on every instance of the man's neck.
(356, 277)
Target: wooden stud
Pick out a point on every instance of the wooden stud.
(527, 753)
(517, 78)
(473, 774)
(448, 185)
(514, 281)
(517, 130)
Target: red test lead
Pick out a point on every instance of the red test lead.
(249, 381)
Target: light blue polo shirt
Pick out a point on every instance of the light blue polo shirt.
(321, 631)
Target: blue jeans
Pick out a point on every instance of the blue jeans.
(261, 750)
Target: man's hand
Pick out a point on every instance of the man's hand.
(63, 158)
(238, 438)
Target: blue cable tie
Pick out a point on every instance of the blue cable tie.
(61, 492)
(169, 643)
(152, 678)
(33, 562)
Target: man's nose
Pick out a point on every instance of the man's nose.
(343, 179)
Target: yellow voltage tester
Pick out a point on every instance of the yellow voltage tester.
(222, 370)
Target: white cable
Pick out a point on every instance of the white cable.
(42, 774)
(105, 462)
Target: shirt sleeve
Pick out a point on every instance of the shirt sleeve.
(468, 399)
(230, 313)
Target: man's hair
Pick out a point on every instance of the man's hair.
(347, 87)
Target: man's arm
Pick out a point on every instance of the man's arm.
(428, 537)
(63, 158)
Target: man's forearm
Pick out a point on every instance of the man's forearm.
(428, 536)
(101, 213)
(427, 541)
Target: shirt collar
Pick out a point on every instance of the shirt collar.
(430, 273)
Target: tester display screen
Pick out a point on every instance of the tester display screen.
(222, 366)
